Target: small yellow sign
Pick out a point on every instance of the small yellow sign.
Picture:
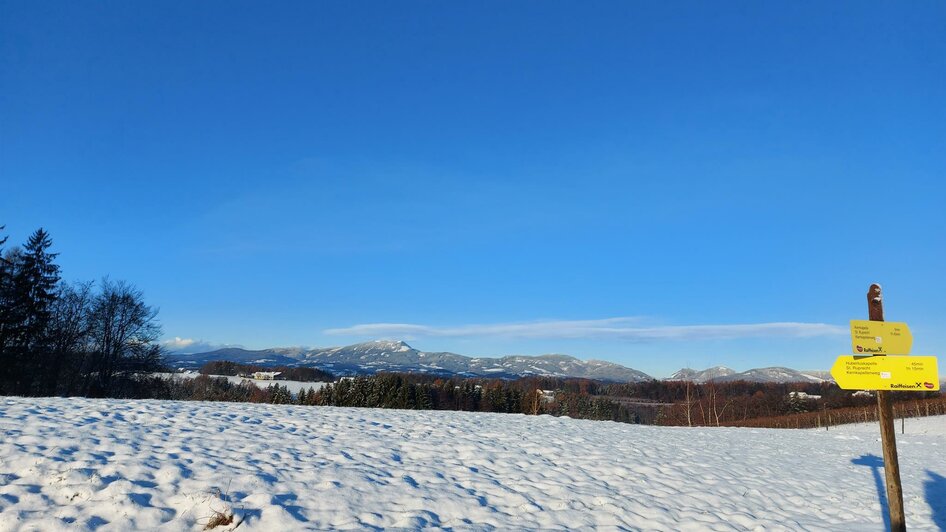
(880, 338)
(897, 373)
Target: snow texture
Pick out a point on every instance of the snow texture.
(68, 464)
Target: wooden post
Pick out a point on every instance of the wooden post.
(888, 434)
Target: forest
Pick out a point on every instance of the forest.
(226, 367)
(669, 403)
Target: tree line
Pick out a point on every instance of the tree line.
(685, 403)
(226, 367)
(932, 405)
(412, 391)
(738, 403)
(531, 395)
(60, 338)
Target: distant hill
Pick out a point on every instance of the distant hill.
(264, 357)
(824, 375)
(385, 355)
(687, 374)
(771, 374)
(372, 357)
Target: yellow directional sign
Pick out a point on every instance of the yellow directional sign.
(880, 338)
(899, 373)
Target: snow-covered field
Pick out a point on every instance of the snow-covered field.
(911, 426)
(70, 464)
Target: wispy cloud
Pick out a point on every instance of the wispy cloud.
(619, 328)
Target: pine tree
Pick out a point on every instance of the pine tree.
(29, 292)
(38, 277)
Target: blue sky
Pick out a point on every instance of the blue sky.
(648, 183)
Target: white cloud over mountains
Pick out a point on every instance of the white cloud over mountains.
(178, 343)
(615, 328)
(190, 345)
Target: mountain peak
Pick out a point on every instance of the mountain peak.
(690, 374)
(379, 346)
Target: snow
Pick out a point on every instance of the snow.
(68, 464)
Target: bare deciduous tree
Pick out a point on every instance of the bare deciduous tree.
(123, 335)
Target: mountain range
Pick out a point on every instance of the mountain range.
(381, 355)
(384, 355)
(771, 374)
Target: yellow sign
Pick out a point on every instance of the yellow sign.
(880, 338)
(898, 373)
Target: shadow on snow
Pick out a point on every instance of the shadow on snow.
(935, 488)
(876, 463)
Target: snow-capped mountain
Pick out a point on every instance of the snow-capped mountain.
(773, 374)
(688, 374)
(824, 375)
(262, 357)
(382, 355)
(386, 355)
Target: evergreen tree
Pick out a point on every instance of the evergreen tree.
(30, 278)
(42, 279)
(280, 395)
(36, 282)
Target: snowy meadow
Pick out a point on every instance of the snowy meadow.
(68, 464)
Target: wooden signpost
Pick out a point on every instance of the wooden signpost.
(871, 369)
(888, 435)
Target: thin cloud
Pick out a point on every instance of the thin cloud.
(617, 328)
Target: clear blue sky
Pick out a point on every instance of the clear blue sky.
(306, 173)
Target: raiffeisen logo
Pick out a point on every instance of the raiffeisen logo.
(861, 349)
(909, 386)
